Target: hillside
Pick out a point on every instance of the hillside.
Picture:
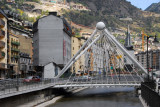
(115, 13)
(111, 12)
(155, 7)
(119, 8)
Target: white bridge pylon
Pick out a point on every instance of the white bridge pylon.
(104, 63)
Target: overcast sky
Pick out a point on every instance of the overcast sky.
(143, 4)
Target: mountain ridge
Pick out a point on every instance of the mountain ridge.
(111, 11)
(154, 7)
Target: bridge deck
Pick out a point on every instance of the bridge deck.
(12, 88)
(96, 85)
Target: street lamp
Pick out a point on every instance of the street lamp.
(147, 57)
(155, 41)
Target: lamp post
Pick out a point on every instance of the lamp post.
(155, 41)
(147, 58)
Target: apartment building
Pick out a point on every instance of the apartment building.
(26, 45)
(153, 59)
(76, 43)
(3, 44)
(25, 65)
(19, 40)
(13, 54)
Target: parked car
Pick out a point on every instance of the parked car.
(32, 79)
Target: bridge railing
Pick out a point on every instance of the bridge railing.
(148, 93)
(16, 85)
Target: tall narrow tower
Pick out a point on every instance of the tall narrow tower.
(128, 41)
(128, 45)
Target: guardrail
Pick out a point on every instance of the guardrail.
(148, 93)
(13, 86)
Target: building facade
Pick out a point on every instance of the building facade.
(94, 60)
(25, 65)
(19, 40)
(153, 59)
(13, 54)
(26, 45)
(3, 44)
(51, 41)
(76, 44)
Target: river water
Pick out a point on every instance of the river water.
(101, 97)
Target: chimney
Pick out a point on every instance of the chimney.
(53, 13)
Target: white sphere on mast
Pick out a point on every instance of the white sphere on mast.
(100, 26)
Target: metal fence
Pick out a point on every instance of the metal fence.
(13, 87)
(17, 85)
(148, 93)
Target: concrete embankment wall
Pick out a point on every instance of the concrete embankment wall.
(69, 91)
(32, 98)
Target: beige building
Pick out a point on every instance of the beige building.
(78, 66)
(26, 53)
(13, 53)
(26, 45)
(3, 44)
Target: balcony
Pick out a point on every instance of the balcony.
(2, 44)
(15, 56)
(15, 43)
(15, 49)
(2, 34)
(2, 65)
(2, 23)
(2, 54)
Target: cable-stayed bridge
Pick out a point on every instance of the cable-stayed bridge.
(104, 63)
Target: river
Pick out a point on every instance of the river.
(101, 97)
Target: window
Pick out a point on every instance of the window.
(138, 58)
(73, 48)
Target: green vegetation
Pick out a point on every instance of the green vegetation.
(84, 17)
(42, 14)
(122, 41)
(110, 12)
(18, 8)
(76, 32)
